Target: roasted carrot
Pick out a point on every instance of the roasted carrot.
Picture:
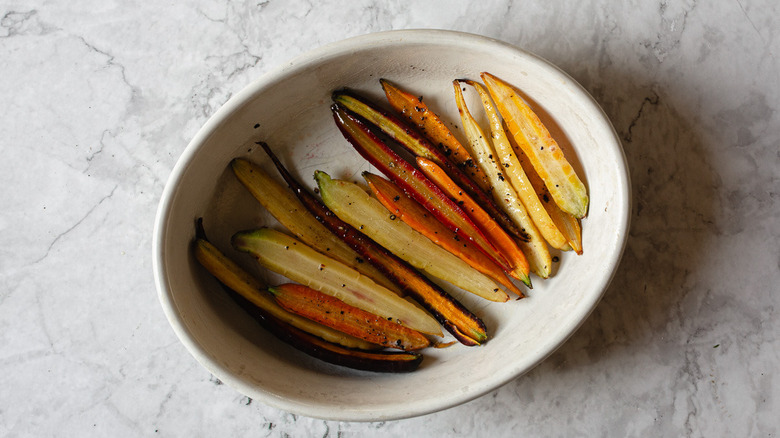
(516, 175)
(375, 361)
(363, 138)
(568, 225)
(417, 217)
(299, 262)
(413, 109)
(497, 235)
(542, 150)
(419, 146)
(535, 248)
(288, 210)
(338, 315)
(465, 326)
(353, 205)
(241, 282)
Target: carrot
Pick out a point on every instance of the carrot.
(336, 314)
(535, 247)
(353, 205)
(419, 146)
(417, 217)
(253, 291)
(431, 126)
(495, 233)
(288, 210)
(517, 176)
(542, 150)
(568, 225)
(465, 326)
(376, 361)
(365, 141)
(287, 256)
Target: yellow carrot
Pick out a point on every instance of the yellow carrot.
(517, 177)
(535, 247)
(568, 225)
(288, 210)
(542, 150)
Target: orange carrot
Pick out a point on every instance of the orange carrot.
(495, 233)
(363, 137)
(431, 126)
(334, 313)
(417, 217)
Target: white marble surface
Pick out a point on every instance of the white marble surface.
(100, 98)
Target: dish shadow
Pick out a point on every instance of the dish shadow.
(673, 222)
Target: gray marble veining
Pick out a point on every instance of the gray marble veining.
(100, 98)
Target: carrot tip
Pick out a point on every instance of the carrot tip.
(526, 280)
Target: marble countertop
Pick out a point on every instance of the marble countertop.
(100, 98)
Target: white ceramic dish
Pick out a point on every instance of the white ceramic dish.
(289, 108)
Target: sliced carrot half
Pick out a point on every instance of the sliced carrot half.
(541, 149)
(495, 233)
(413, 109)
(566, 223)
(417, 217)
(336, 314)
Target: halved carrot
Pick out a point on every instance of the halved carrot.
(417, 112)
(498, 236)
(288, 210)
(238, 280)
(535, 248)
(376, 361)
(542, 150)
(378, 153)
(412, 141)
(338, 315)
(417, 217)
(517, 176)
(568, 225)
(465, 326)
(299, 262)
(353, 205)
